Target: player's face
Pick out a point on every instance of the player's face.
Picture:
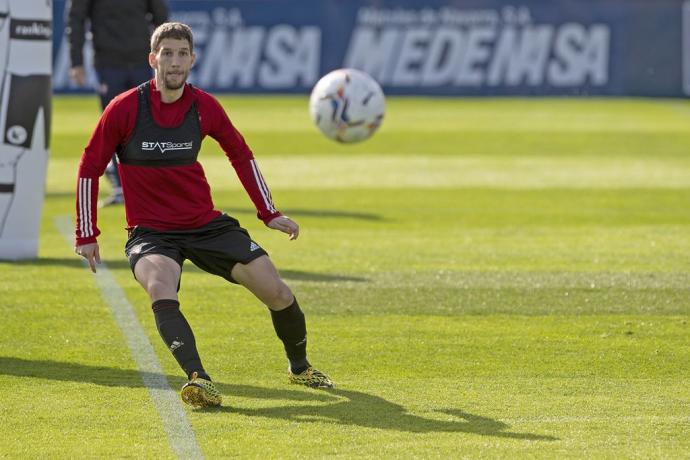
(172, 63)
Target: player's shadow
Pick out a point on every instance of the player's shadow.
(339, 406)
(298, 275)
(123, 264)
(347, 407)
(75, 262)
(67, 372)
(325, 213)
(52, 194)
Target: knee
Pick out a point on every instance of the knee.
(159, 289)
(279, 296)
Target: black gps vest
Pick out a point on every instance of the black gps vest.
(154, 145)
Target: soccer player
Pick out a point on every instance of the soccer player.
(157, 131)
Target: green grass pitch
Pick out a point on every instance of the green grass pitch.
(483, 278)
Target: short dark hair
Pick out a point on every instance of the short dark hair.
(175, 30)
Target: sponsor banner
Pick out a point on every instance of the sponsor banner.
(434, 47)
(30, 29)
(686, 47)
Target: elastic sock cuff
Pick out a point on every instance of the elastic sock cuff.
(288, 312)
(165, 304)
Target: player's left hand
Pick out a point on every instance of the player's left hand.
(91, 253)
(285, 225)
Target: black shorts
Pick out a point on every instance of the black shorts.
(215, 248)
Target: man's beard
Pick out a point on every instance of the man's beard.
(174, 86)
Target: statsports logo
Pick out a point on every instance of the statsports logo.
(166, 146)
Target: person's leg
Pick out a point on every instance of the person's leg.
(262, 279)
(137, 75)
(225, 249)
(156, 262)
(112, 81)
(159, 275)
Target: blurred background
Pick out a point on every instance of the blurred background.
(433, 47)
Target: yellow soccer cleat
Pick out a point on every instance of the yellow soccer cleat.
(311, 378)
(200, 392)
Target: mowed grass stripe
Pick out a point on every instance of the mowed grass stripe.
(441, 127)
(249, 113)
(180, 433)
(321, 172)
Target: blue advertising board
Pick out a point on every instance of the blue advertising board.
(433, 47)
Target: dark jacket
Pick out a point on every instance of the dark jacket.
(121, 29)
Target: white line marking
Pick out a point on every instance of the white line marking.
(180, 434)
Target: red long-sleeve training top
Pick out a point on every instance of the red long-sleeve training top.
(168, 197)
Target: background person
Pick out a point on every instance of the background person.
(121, 30)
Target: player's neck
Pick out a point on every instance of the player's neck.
(169, 95)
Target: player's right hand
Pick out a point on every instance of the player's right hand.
(78, 75)
(90, 253)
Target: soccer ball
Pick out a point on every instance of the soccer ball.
(347, 105)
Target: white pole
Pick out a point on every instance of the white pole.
(25, 107)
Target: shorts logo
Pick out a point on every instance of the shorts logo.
(253, 247)
(16, 134)
(136, 249)
(166, 146)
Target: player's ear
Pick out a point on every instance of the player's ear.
(152, 60)
(193, 58)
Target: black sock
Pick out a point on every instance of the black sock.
(178, 336)
(291, 328)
